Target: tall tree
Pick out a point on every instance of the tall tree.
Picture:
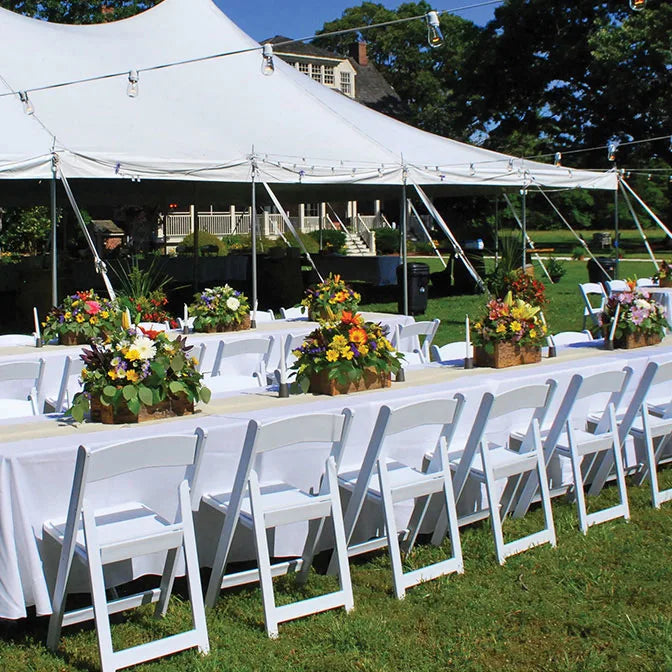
(78, 11)
(429, 81)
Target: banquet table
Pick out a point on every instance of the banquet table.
(37, 458)
(54, 355)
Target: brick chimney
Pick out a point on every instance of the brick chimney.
(358, 52)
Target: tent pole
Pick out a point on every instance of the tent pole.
(404, 234)
(617, 241)
(496, 230)
(253, 322)
(635, 219)
(54, 239)
(524, 227)
(429, 237)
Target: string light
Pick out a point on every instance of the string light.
(637, 5)
(612, 148)
(434, 34)
(267, 65)
(133, 88)
(557, 159)
(27, 105)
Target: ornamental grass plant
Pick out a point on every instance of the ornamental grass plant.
(345, 350)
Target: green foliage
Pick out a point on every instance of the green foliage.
(26, 231)
(388, 241)
(578, 253)
(205, 238)
(556, 268)
(332, 240)
(78, 11)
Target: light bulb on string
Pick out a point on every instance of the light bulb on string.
(612, 148)
(557, 160)
(637, 5)
(133, 88)
(434, 34)
(27, 105)
(267, 65)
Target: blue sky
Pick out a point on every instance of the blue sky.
(300, 18)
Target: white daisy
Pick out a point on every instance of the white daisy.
(232, 303)
(145, 347)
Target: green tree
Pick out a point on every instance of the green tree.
(429, 81)
(26, 231)
(78, 11)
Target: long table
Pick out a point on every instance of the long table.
(37, 459)
(54, 355)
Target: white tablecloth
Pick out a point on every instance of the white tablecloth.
(54, 355)
(37, 458)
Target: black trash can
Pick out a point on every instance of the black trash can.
(418, 281)
(596, 274)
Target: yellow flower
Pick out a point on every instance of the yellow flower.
(104, 314)
(332, 355)
(67, 315)
(132, 355)
(111, 374)
(478, 325)
(348, 354)
(544, 329)
(132, 376)
(363, 349)
(194, 361)
(533, 333)
(93, 319)
(80, 318)
(339, 341)
(501, 328)
(517, 313)
(516, 326)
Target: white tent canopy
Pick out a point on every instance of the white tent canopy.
(209, 120)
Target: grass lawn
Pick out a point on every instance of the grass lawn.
(595, 603)
(563, 313)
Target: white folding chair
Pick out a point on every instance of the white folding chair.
(406, 336)
(102, 536)
(260, 505)
(568, 338)
(69, 386)
(189, 322)
(20, 388)
(240, 364)
(588, 290)
(7, 340)
(645, 282)
(294, 313)
(588, 447)
(652, 430)
(263, 316)
(498, 462)
(388, 476)
(616, 286)
(450, 352)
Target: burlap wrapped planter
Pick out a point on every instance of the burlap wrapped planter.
(168, 408)
(320, 383)
(232, 326)
(507, 354)
(636, 340)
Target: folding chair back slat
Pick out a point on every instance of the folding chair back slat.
(314, 428)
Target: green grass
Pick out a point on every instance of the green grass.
(595, 603)
(563, 313)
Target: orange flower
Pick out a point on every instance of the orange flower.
(349, 317)
(357, 335)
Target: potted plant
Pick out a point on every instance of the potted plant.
(664, 275)
(639, 319)
(346, 356)
(510, 333)
(326, 301)
(138, 375)
(556, 269)
(220, 309)
(81, 318)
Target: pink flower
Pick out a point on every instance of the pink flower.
(92, 307)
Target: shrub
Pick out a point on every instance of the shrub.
(556, 268)
(578, 253)
(332, 240)
(26, 231)
(204, 238)
(388, 241)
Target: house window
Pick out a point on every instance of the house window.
(304, 68)
(346, 83)
(312, 210)
(329, 75)
(317, 73)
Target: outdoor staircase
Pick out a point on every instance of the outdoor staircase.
(355, 246)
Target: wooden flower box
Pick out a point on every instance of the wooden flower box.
(370, 380)
(232, 326)
(71, 338)
(636, 340)
(665, 282)
(507, 354)
(168, 408)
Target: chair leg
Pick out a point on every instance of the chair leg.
(453, 525)
(415, 522)
(315, 528)
(167, 580)
(620, 475)
(541, 477)
(263, 558)
(392, 534)
(100, 608)
(578, 491)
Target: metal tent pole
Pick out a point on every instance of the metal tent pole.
(617, 241)
(524, 217)
(404, 251)
(54, 239)
(253, 322)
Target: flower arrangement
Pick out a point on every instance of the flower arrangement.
(664, 275)
(326, 301)
(150, 308)
(638, 315)
(509, 320)
(136, 368)
(220, 309)
(345, 351)
(81, 318)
